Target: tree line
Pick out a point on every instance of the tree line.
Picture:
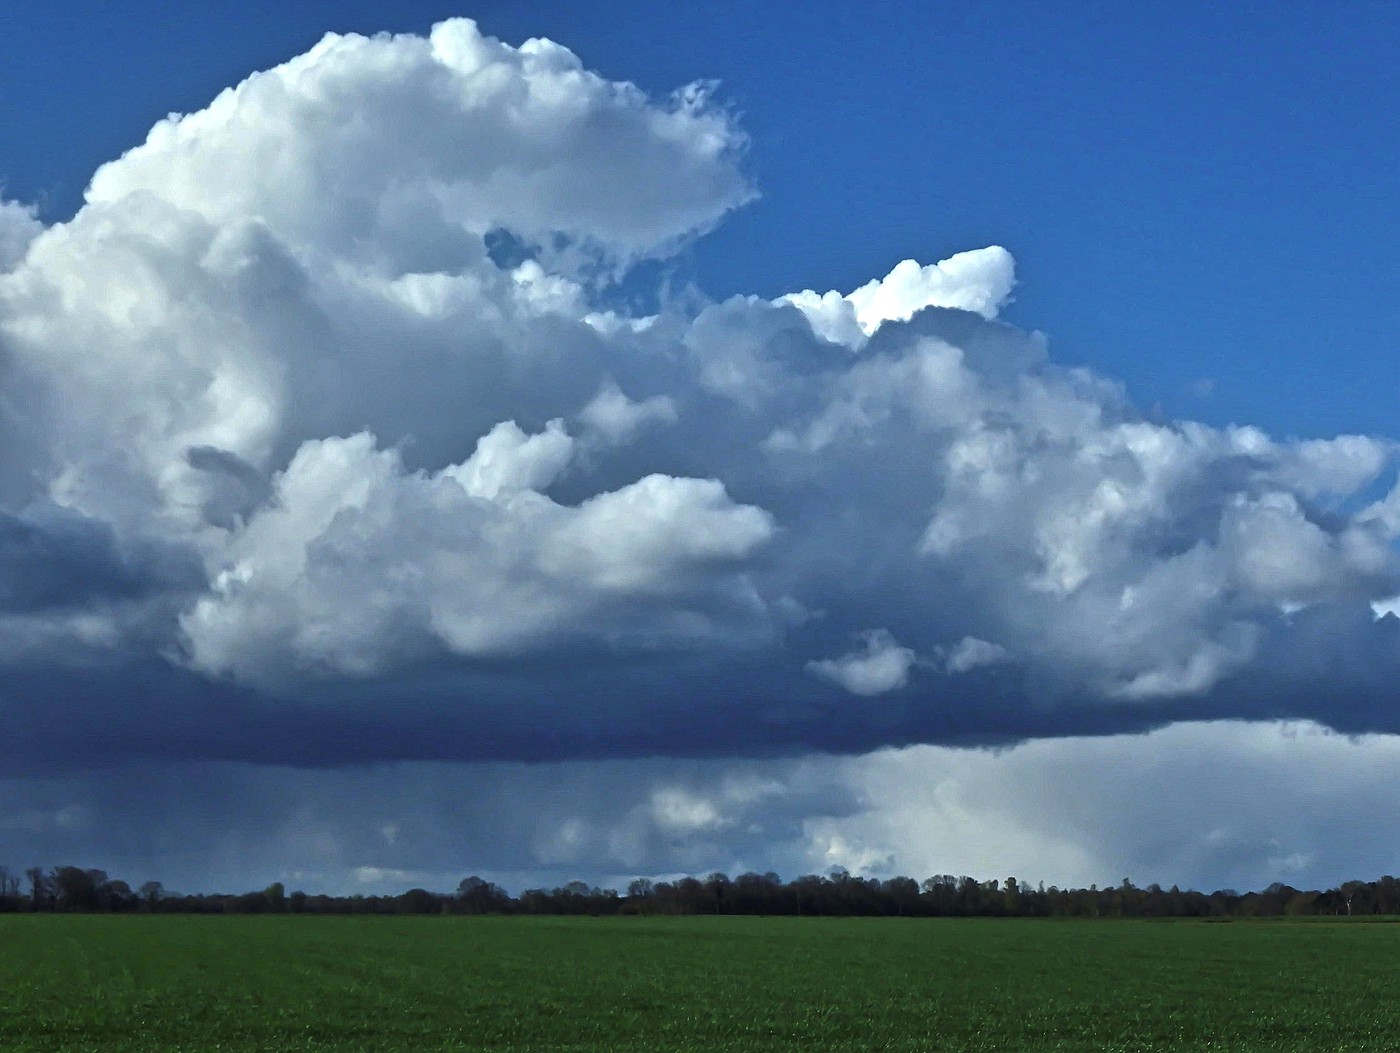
(75, 889)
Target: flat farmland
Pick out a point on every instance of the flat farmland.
(162, 982)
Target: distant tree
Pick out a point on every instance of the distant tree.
(1349, 893)
(690, 896)
(1301, 903)
(903, 894)
(115, 895)
(478, 896)
(1275, 898)
(248, 903)
(417, 901)
(71, 888)
(808, 894)
(716, 885)
(1387, 895)
(76, 889)
(1011, 897)
(40, 889)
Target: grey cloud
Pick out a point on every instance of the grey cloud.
(541, 823)
(239, 490)
(1203, 805)
(53, 559)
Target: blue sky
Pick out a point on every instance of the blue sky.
(1194, 193)
(692, 533)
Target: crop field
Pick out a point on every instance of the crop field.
(118, 983)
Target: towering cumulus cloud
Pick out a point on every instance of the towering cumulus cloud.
(318, 445)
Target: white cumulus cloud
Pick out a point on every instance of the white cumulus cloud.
(324, 393)
(379, 149)
(356, 563)
(980, 280)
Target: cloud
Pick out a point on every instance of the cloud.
(355, 564)
(979, 281)
(323, 412)
(54, 559)
(19, 225)
(616, 419)
(397, 151)
(881, 666)
(1203, 805)
(971, 653)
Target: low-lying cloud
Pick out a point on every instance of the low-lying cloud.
(1202, 805)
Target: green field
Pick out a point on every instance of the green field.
(70, 982)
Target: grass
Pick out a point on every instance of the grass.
(113, 983)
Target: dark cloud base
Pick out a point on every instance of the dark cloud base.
(157, 711)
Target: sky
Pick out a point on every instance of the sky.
(597, 444)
